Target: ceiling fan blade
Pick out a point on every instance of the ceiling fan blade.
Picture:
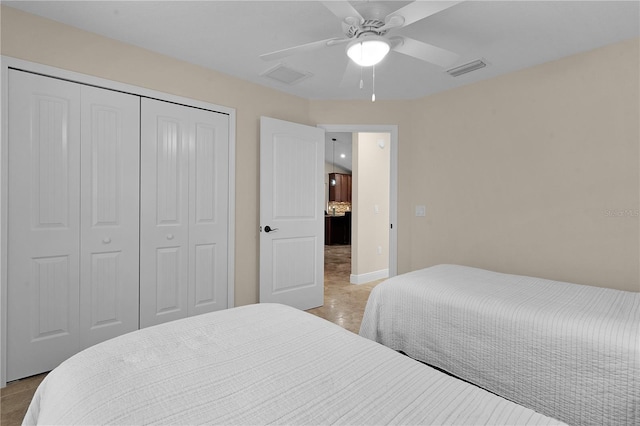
(303, 48)
(344, 11)
(418, 10)
(424, 51)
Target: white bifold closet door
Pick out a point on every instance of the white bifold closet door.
(184, 210)
(110, 215)
(73, 177)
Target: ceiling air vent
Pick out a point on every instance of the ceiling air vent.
(463, 69)
(286, 75)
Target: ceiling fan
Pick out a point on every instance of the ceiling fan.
(368, 39)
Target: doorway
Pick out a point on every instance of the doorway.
(365, 207)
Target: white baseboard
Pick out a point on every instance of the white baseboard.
(369, 276)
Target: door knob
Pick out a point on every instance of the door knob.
(269, 229)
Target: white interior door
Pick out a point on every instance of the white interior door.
(43, 223)
(110, 175)
(291, 213)
(184, 208)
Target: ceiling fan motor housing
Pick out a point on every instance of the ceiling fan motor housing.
(367, 27)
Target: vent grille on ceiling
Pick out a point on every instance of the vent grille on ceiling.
(463, 69)
(286, 75)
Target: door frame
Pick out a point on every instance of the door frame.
(7, 62)
(392, 129)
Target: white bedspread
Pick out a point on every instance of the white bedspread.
(569, 351)
(258, 364)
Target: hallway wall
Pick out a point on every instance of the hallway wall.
(370, 235)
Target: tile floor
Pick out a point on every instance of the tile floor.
(15, 399)
(343, 304)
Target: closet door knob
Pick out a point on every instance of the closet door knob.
(169, 236)
(106, 240)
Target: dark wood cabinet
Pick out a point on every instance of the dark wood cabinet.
(341, 191)
(337, 229)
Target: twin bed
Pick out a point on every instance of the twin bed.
(543, 351)
(259, 364)
(569, 351)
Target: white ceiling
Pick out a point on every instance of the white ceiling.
(229, 36)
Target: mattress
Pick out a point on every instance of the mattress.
(258, 364)
(569, 351)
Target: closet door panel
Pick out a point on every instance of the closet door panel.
(209, 209)
(110, 170)
(164, 216)
(43, 223)
(184, 201)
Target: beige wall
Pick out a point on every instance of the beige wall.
(527, 173)
(370, 219)
(535, 172)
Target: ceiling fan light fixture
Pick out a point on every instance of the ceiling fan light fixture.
(368, 50)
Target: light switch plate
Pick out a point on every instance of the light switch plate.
(421, 211)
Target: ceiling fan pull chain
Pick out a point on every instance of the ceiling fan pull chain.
(361, 81)
(373, 95)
